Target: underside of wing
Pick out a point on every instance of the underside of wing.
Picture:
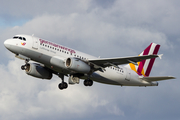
(151, 79)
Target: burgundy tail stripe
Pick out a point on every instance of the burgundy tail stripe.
(152, 61)
(141, 65)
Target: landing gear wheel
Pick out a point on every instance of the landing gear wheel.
(23, 67)
(88, 82)
(63, 85)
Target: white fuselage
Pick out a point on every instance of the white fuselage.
(43, 51)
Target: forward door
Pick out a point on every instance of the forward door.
(35, 43)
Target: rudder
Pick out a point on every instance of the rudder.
(144, 67)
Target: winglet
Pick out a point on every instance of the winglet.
(160, 56)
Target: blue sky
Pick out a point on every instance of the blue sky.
(8, 22)
(103, 28)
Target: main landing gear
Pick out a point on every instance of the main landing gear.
(88, 82)
(62, 85)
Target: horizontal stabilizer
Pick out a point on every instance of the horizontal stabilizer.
(151, 79)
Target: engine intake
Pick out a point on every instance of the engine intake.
(38, 71)
(77, 65)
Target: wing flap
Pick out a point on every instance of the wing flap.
(151, 79)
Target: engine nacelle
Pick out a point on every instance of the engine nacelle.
(38, 71)
(57, 61)
(77, 65)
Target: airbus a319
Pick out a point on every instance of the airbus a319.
(51, 58)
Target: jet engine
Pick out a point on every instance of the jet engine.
(38, 71)
(77, 65)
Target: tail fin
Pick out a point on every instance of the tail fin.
(144, 67)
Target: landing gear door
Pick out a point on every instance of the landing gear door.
(35, 43)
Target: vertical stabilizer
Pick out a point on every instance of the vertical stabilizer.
(144, 67)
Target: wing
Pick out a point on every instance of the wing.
(105, 62)
(151, 79)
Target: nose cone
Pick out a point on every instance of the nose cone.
(7, 44)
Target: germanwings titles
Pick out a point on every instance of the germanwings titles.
(51, 58)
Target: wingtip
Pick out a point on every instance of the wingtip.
(160, 56)
(172, 77)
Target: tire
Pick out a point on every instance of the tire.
(60, 86)
(23, 67)
(85, 82)
(90, 82)
(65, 85)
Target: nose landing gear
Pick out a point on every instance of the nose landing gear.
(24, 67)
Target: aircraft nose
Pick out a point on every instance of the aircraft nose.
(7, 44)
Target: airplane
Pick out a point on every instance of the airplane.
(51, 58)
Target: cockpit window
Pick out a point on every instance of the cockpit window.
(18, 37)
(15, 37)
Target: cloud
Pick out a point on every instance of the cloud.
(33, 98)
